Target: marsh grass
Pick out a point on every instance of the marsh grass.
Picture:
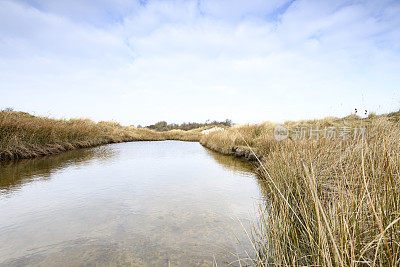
(23, 135)
(328, 202)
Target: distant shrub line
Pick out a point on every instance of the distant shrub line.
(163, 126)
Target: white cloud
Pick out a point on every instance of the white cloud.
(189, 60)
(237, 9)
(98, 13)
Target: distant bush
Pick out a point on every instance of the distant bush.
(186, 126)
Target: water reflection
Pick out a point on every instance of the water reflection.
(232, 163)
(143, 203)
(14, 174)
(239, 165)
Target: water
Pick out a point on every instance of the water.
(140, 203)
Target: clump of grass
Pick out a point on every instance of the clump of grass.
(328, 202)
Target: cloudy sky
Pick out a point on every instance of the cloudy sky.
(138, 62)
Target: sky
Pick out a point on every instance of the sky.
(139, 62)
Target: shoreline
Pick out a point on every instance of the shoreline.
(59, 149)
(23, 135)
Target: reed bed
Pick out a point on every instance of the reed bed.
(329, 202)
(23, 135)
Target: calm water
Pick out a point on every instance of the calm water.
(141, 203)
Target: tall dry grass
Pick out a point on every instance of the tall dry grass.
(193, 135)
(328, 202)
(23, 135)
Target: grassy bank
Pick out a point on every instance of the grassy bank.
(23, 135)
(330, 201)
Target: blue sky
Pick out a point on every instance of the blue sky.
(138, 62)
